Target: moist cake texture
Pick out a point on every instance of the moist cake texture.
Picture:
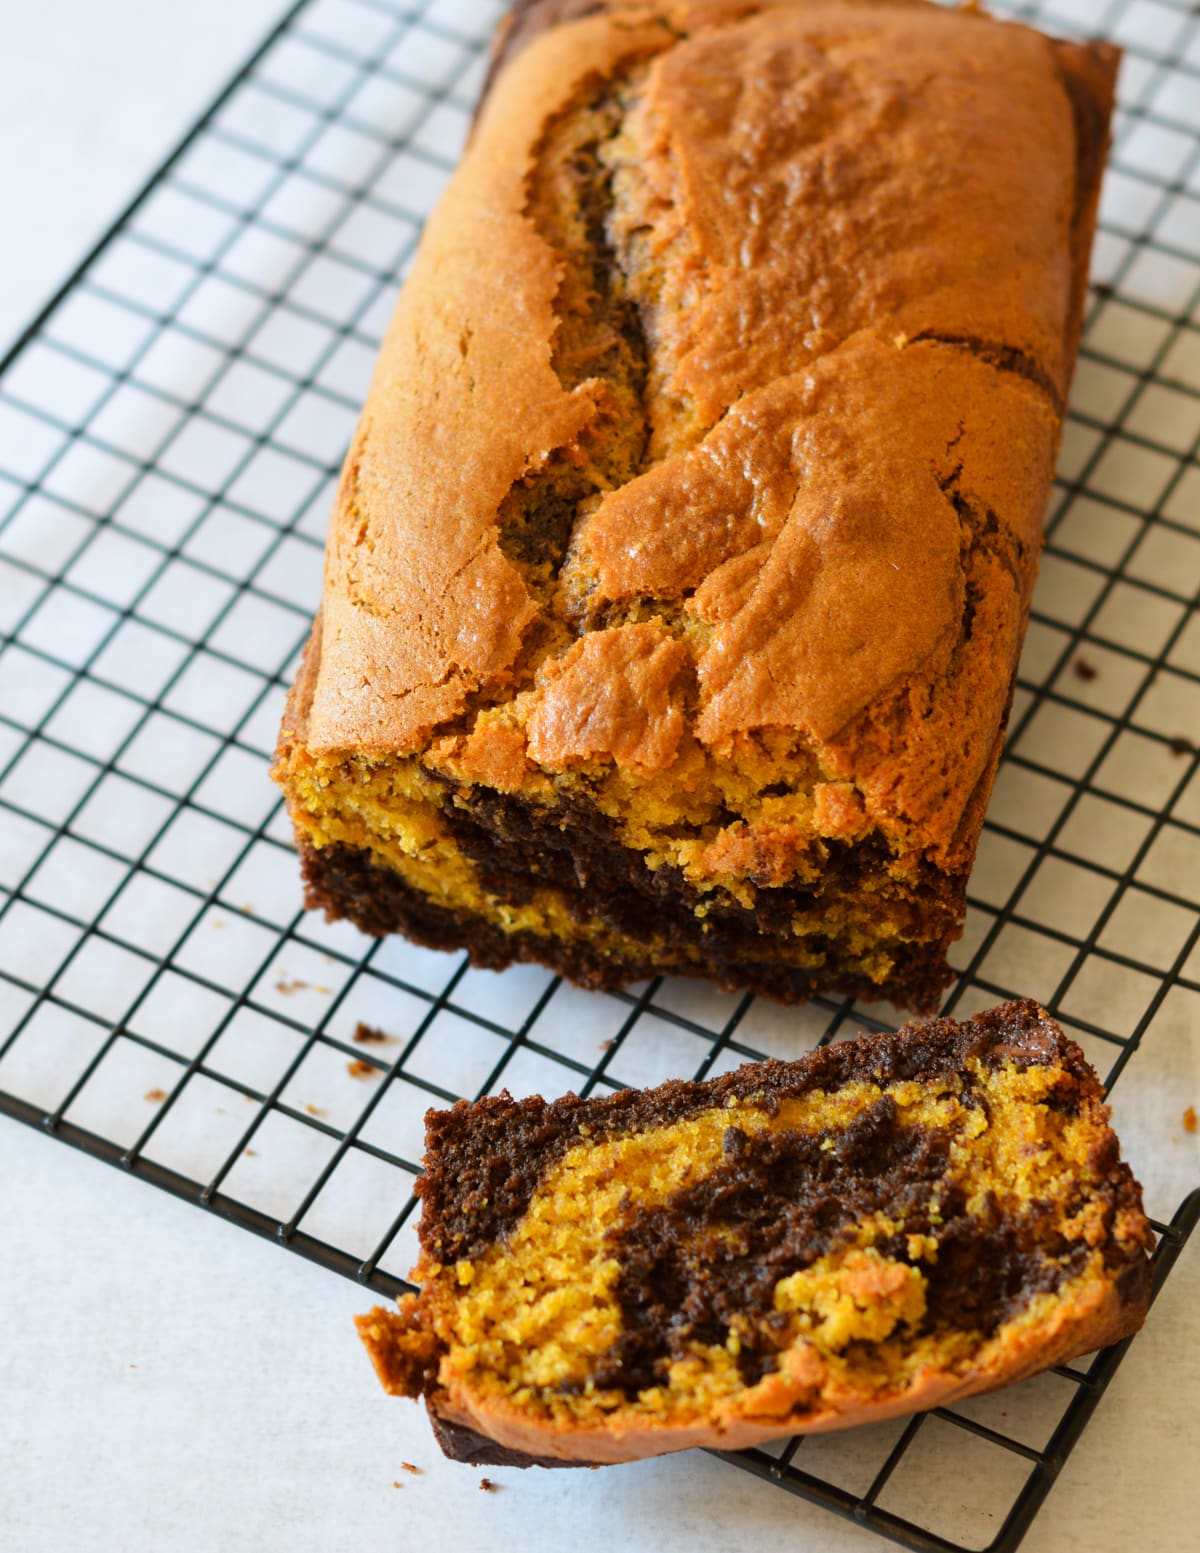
(885, 1225)
(682, 557)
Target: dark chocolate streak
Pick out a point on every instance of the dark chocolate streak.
(1005, 358)
(787, 1199)
(736, 953)
(484, 1161)
(519, 847)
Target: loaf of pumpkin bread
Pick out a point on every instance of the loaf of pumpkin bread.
(681, 560)
(888, 1224)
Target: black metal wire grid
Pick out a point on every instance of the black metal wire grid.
(170, 432)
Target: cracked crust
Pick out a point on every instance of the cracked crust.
(653, 488)
(465, 401)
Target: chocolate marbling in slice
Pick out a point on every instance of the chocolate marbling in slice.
(883, 1226)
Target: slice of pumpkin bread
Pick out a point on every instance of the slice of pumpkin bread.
(887, 1224)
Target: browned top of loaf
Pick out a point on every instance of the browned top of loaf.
(867, 228)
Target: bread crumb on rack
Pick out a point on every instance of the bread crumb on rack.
(367, 1035)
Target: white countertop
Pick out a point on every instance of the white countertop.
(167, 1380)
(172, 1382)
(92, 97)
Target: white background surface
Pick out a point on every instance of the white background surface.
(168, 1381)
(251, 1421)
(92, 96)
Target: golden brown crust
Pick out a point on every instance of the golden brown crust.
(807, 498)
(612, 694)
(696, 504)
(404, 1353)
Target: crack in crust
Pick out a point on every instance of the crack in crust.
(598, 339)
(1005, 358)
(665, 428)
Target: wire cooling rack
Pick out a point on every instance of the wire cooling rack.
(170, 434)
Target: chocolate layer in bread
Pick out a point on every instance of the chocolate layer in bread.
(880, 1226)
(682, 559)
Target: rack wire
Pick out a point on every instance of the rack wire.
(170, 433)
